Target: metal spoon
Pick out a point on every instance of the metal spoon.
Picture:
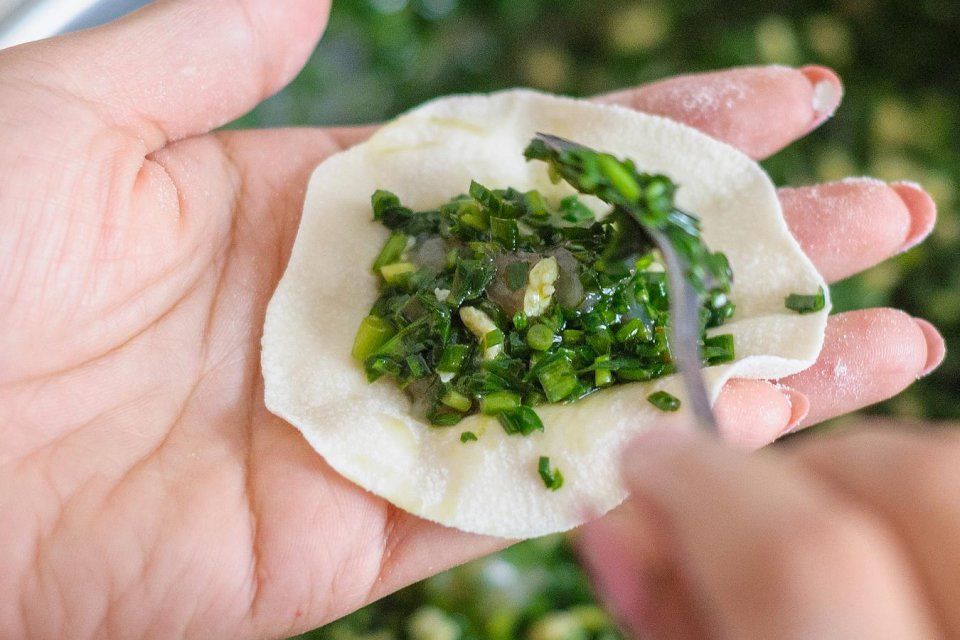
(684, 312)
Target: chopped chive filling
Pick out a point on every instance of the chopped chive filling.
(468, 436)
(540, 337)
(664, 401)
(522, 420)
(372, 334)
(499, 402)
(806, 303)
(456, 400)
(499, 300)
(552, 478)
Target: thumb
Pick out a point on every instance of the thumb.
(177, 68)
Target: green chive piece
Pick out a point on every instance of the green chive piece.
(453, 357)
(602, 376)
(523, 420)
(644, 262)
(718, 349)
(505, 231)
(572, 210)
(540, 337)
(498, 402)
(806, 303)
(554, 175)
(392, 250)
(381, 200)
(456, 400)
(664, 401)
(381, 365)
(658, 194)
(517, 275)
(468, 436)
(536, 204)
(635, 329)
(417, 365)
(450, 260)
(635, 374)
(552, 478)
(441, 418)
(475, 220)
(470, 214)
(600, 341)
(558, 379)
(519, 321)
(397, 273)
(374, 331)
(492, 338)
(572, 336)
(470, 280)
(619, 177)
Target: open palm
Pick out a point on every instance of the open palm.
(144, 488)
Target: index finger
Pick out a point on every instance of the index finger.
(756, 109)
(759, 110)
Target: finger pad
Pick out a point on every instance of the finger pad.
(756, 109)
(751, 413)
(848, 226)
(868, 356)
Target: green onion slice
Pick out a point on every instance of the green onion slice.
(664, 401)
(552, 478)
(806, 303)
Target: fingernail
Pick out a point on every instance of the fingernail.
(827, 92)
(923, 212)
(936, 347)
(799, 408)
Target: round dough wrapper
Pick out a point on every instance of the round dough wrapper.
(426, 156)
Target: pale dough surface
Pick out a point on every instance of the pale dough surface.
(430, 154)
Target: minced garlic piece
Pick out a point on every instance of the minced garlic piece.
(540, 288)
(480, 325)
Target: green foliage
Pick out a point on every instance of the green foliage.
(532, 591)
(899, 120)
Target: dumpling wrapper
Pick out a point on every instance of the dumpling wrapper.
(365, 431)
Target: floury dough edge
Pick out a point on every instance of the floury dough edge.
(429, 155)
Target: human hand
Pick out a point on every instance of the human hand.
(853, 535)
(144, 488)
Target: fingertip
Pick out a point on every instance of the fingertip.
(923, 212)
(936, 346)
(753, 413)
(827, 92)
(867, 356)
(757, 109)
(304, 30)
(285, 34)
(207, 63)
(847, 226)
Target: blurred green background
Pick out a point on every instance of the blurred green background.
(900, 62)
